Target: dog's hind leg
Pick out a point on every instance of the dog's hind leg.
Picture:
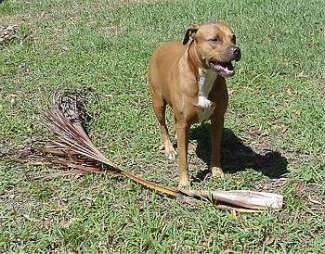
(159, 106)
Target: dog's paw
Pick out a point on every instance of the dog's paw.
(217, 172)
(184, 185)
(171, 154)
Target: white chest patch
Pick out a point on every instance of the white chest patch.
(206, 80)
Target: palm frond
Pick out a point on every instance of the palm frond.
(73, 149)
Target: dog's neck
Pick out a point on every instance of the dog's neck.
(194, 57)
(206, 78)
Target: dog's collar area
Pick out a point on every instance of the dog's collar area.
(195, 57)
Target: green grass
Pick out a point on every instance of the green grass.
(276, 103)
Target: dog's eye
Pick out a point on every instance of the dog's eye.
(216, 39)
(233, 39)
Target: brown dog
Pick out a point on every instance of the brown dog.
(190, 77)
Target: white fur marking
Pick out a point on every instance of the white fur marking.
(206, 80)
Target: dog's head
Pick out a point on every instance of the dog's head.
(215, 44)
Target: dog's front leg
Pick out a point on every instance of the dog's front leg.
(182, 146)
(217, 123)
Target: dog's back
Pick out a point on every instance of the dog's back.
(164, 64)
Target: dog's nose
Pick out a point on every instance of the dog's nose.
(236, 53)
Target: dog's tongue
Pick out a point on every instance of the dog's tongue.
(224, 69)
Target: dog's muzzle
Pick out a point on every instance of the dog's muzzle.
(236, 53)
(226, 68)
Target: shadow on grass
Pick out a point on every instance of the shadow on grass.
(236, 156)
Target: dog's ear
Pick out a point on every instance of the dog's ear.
(191, 31)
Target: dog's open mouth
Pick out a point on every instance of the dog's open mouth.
(224, 69)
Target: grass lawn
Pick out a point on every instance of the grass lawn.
(273, 140)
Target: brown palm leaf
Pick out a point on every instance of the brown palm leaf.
(72, 148)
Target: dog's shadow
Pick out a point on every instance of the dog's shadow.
(235, 155)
